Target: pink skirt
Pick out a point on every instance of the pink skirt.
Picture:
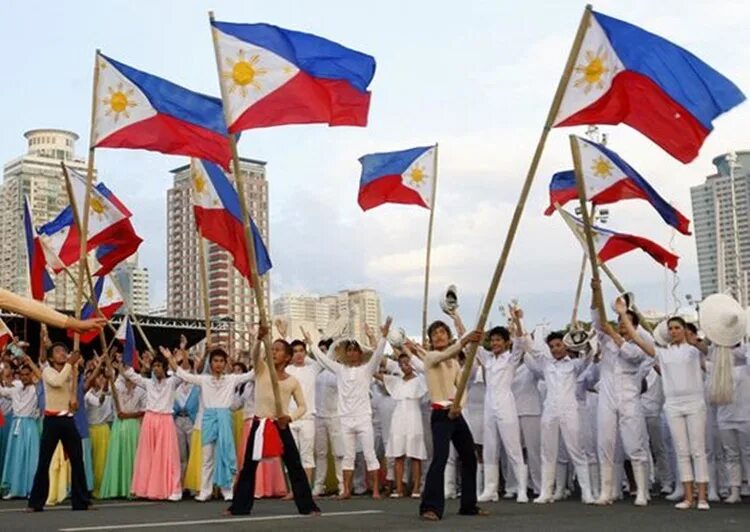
(269, 477)
(157, 461)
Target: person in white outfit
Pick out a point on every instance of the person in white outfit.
(652, 401)
(734, 426)
(529, 409)
(681, 366)
(500, 415)
(553, 363)
(406, 435)
(327, 427)
(353, 377)
(620, 402)
(305, 370)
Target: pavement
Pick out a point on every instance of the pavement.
(366, 514)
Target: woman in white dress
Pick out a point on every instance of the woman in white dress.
(406, 437)
(681, 366)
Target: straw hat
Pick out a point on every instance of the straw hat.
(577, 339)
(449, 301)
(397, 337)
(340, 351)
(723, 320)
(661, 333)
(629, 299)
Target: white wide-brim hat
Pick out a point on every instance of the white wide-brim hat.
(577, 339)
(449, 301)
(661, 333)
(629, 299)
(397, 337)
(723, 320)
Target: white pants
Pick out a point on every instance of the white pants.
(303, 431)
(327, 432)
(689, 437)
(184, 427)
(532, 441)
(736, 444)
(506, 431)
(358, 428)
(566, 424)
(627, 417)
(207, 474)
(662, 466)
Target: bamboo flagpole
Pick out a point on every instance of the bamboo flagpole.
(586, 218)
(131, 314)
(579, 292)
(83, 263)
(202, 269)
(251, 252)
(502, 261)
(429, 248)
(83, 227)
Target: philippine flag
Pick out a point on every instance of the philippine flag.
(406, 176)
(608, 179)
(109, 227)
(126, 335)
(109, 300)
(39, 279)
(218, 217)
(137, 110)
(626, 74)
(609, 244)
(5, 335)
(272, 76)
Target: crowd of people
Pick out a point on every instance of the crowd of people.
(602, 414)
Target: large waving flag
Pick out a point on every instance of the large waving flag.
(609, 179)
(273, 76)
(126, 335)
(218, 217)
(140, 111)
(39, 279)
(109, 300)
(609, 244)
(405, 176)
(111, 233)
(626, 74)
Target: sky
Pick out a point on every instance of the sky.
(477, 77)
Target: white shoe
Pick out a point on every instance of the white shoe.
(676, 495)
(522, 497)
(509, 495)
(684, 505)
(734, 496)
(202, 497)
(488, 497)
(544, 499)
(641, 483)
(491, 478)
(703, 505)
(175, 497)
(318, 491)
(713, 496)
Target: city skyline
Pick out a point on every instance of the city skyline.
(482, 96)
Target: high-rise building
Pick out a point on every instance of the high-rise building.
(714, 225)
(36, 174)
(134, 282)
(231, 301)
(319, 314)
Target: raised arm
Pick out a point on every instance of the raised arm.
(374, 363)
(38, 311)
(637, 339)
(434, 358)
(53, 379)
(326, 360)
(130, 374)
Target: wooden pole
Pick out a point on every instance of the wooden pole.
(579, 292)
(502, 261)
(202, 271)
(84, 226)
(429, 249)
(257, 286)
(590, 245)
(132, 315)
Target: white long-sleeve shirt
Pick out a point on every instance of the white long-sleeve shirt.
(326, 395)
(353, 382)
(306, 375)
(160, 394)
(620, 366)
(98, 407)
(499, 373)
(526, 392)
(681, 377)
(24, 400)
(560, 377)
(216, 392)
(131, 400)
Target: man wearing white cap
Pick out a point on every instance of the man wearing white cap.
(620, 403)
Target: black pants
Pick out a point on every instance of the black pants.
(244, 489)
(445, 431)
(54, 430)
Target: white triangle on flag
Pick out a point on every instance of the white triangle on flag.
(599, 171)
(420, 176)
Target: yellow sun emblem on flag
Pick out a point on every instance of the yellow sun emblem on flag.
(592, 70)
(199, 182)
(417, 176)
(601, 167)
(97, 206)
(118, 101)
(243, 72)
(109, 293)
